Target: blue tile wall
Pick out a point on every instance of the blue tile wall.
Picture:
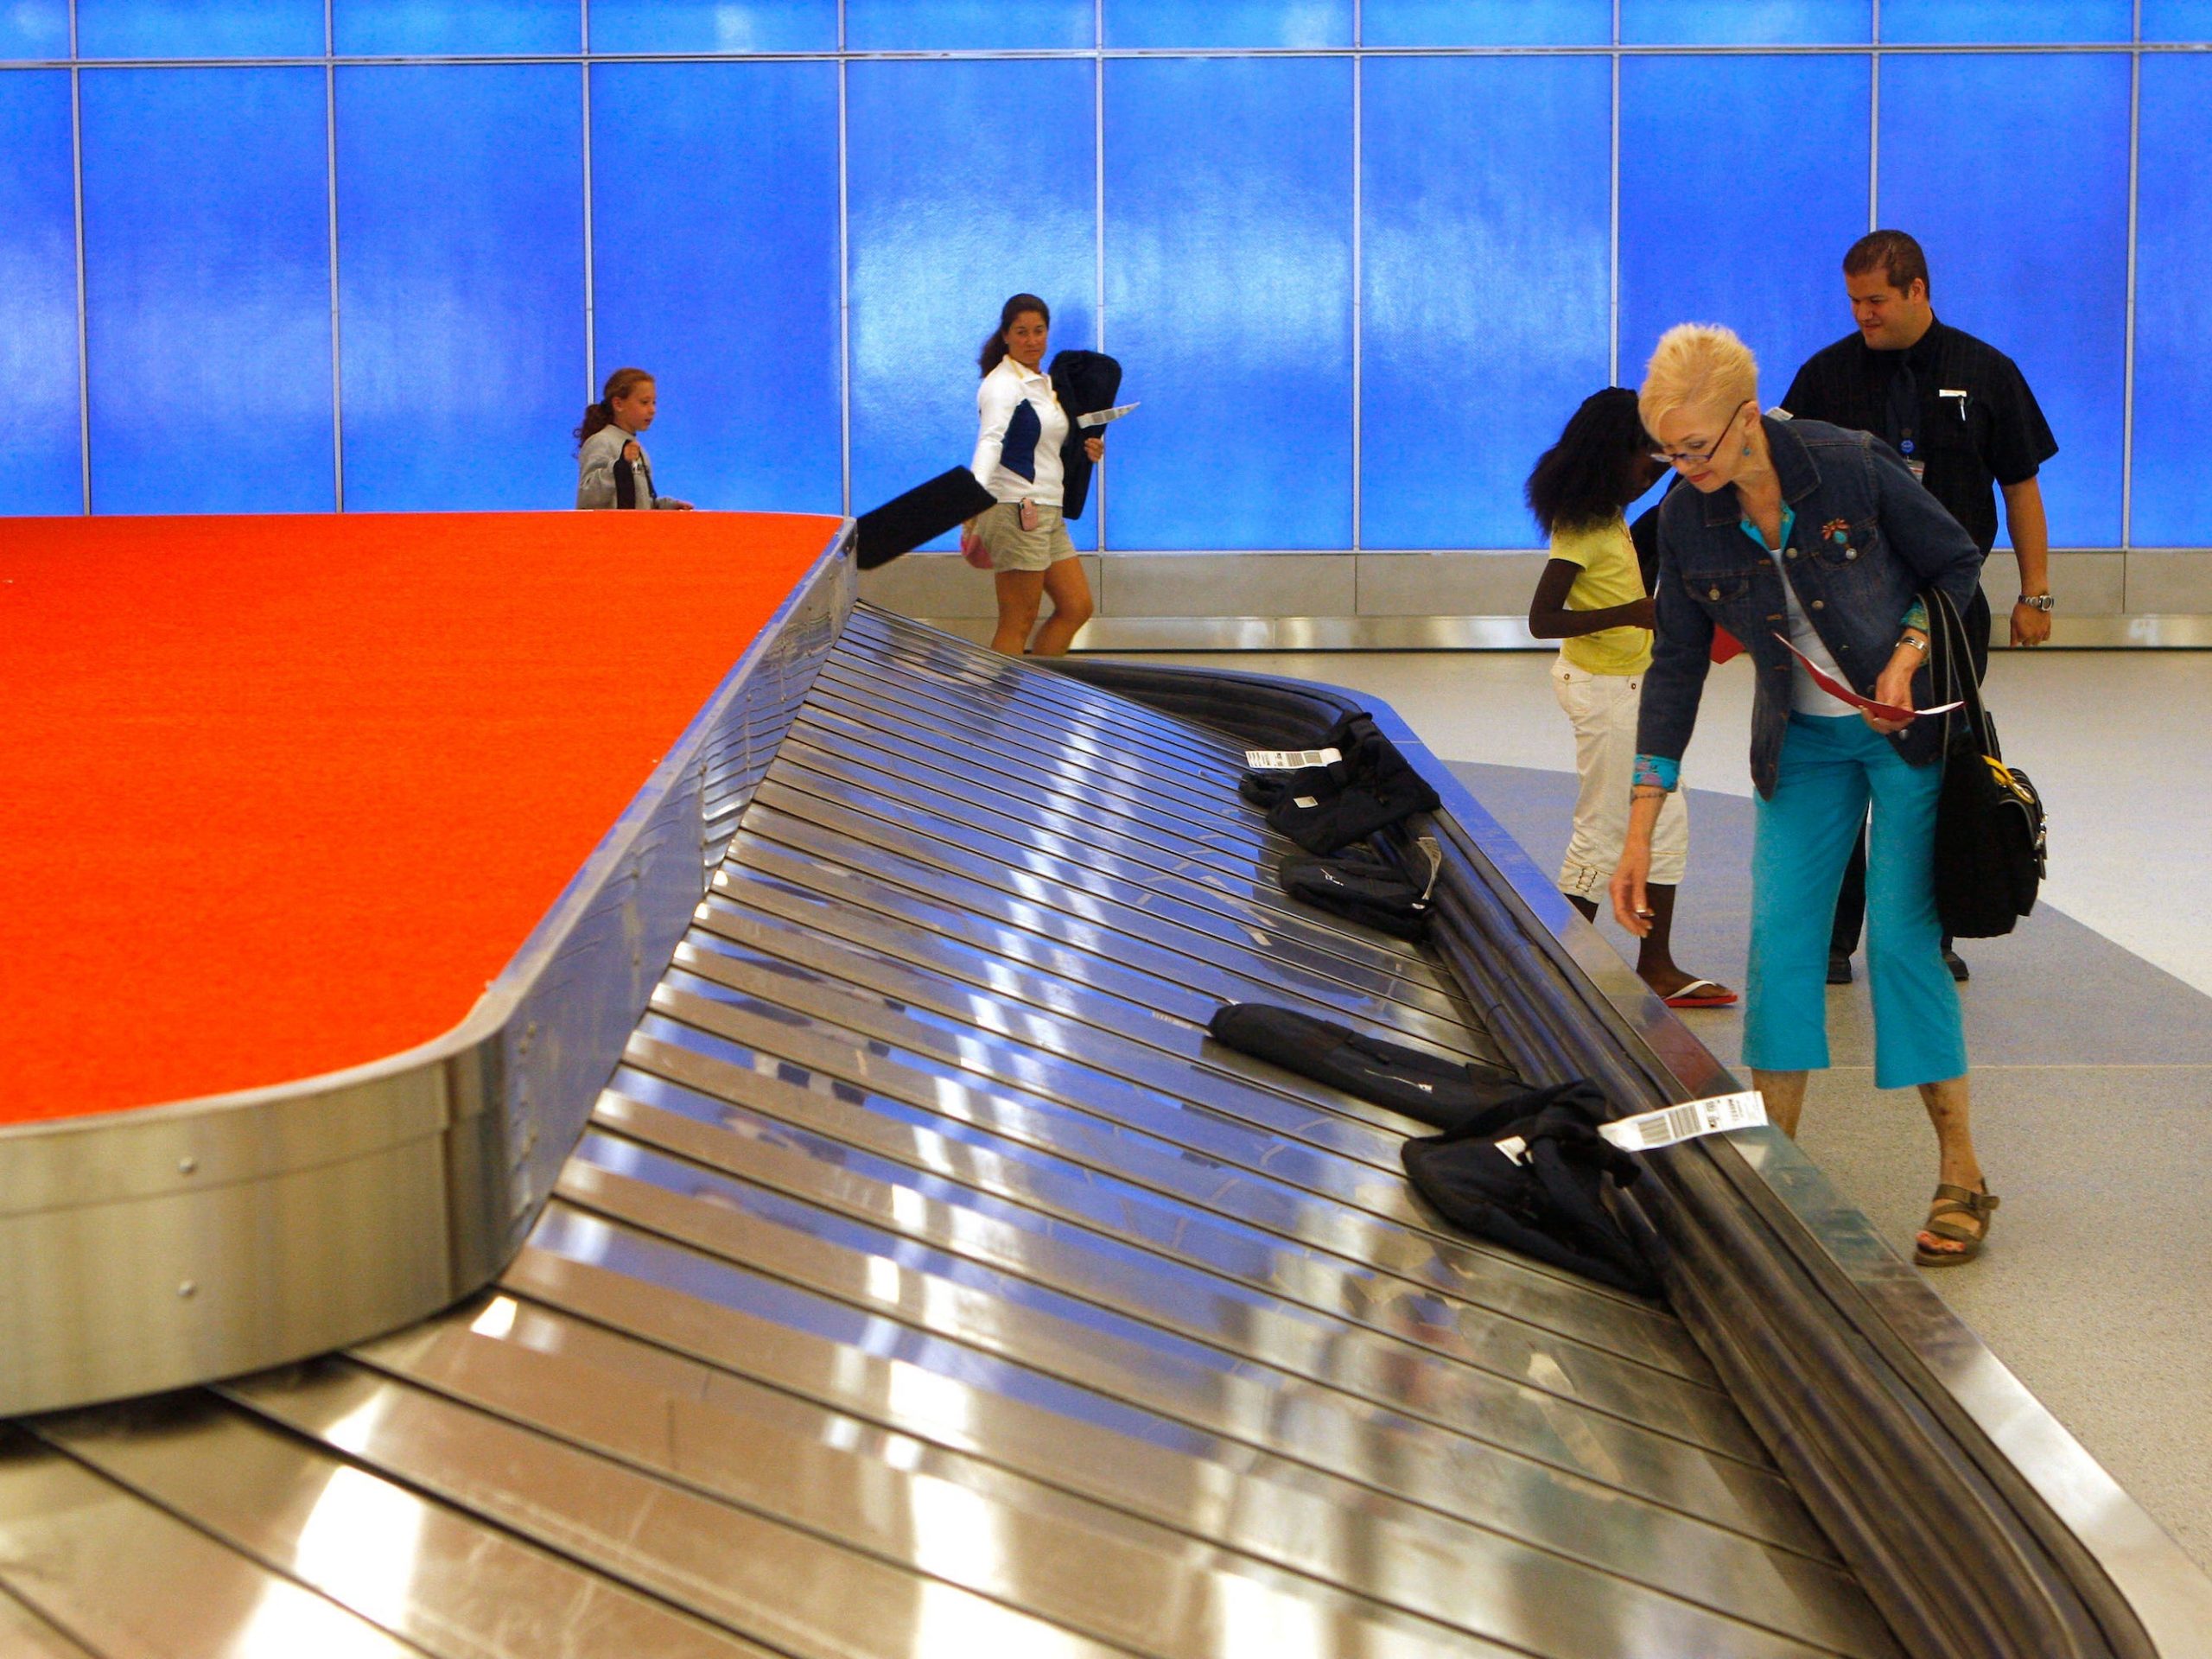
(1486, 23)
(1477, 223)
(714, 25)
(2049, 287)
(1229, 300)
(455, 27)
(2173, 306)
(42, 458)
(460, 280)
(969, 25)
(1486, 286)
(199, 28)
(208, 290)
(967, 182)
(1791, 135)
(34, 29)
(1771, 22)
(2005, 23)
(715, 266)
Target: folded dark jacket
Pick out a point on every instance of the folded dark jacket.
(1427, 1086)
(1381, 789)
(1266, 788)
(1549, 1202)
(1361, 887)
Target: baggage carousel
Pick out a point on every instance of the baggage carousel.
(914, 1276)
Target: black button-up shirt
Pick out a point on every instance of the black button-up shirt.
(1995, 434)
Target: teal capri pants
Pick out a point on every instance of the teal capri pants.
(1831, 765)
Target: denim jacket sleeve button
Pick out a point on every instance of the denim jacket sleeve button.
(1820, 604)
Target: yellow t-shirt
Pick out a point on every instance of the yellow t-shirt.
(1609, 577)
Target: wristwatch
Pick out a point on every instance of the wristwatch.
(2045, 602)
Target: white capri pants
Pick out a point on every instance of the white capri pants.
(1603, 709)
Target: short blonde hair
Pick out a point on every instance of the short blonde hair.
(1696, 364)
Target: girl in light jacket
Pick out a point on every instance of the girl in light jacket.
(611, 470)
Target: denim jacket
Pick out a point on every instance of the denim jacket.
(1867, 539)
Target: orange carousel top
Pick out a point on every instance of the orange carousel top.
(280, 795)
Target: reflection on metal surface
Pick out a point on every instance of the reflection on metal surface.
(926, 1283)
(398, 1185)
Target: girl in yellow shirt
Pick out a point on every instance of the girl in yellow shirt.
(1591, 599)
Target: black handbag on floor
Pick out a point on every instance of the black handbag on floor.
(1437, 1090)
(1544, 1198)
(1362, 887)
(1990, 845)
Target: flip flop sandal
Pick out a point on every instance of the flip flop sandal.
(1950, 1201)
(1700, 993)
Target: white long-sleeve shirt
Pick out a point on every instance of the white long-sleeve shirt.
(1006, 392)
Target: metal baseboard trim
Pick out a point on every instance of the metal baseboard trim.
(1182, 633)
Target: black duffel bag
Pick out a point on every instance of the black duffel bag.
(1544, 1198)
(1990, 847)
(1362, 887)
(1439, 1091)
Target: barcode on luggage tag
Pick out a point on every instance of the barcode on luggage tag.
(1718, 1116)
(1290, 760)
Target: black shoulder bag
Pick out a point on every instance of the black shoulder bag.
(1990, 847)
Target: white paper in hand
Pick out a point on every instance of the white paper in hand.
(1100, 417)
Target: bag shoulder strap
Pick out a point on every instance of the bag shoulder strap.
(1957, 682)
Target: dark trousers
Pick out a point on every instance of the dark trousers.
(1851, 899)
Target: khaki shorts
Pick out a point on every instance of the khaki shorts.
(1013, 548)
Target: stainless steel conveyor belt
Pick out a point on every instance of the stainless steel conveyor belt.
(926, 1282)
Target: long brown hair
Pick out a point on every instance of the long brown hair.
(994, 352)
(599, 415)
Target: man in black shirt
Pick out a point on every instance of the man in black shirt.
(1961, 414)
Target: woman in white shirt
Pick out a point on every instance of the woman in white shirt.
(1021, 430)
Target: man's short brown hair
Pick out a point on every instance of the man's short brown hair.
(1895, 255)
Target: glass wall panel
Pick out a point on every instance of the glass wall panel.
(208, 290)
(462, 305)
(714, 25)
(2173, 306)
(1487, 278)
(1486, 23)
(455, 27)
(41, 461)
(967, 182)
(1229, 300)
(1773, 272)
(2019, 23)
(199, 28)
(968, 25)
(1766, 22)
(2013, 172)
(2189, 21)
(715, 266)
(1173, 23)
(31, 29)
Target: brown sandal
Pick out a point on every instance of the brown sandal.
(1950, 1201)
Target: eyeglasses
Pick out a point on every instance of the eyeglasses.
(1697, 457)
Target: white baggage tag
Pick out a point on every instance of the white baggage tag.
(1651, 1130)
(1514, 1149)
(1290, 760)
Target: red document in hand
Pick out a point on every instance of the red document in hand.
(1725, 644)
(1837, 689)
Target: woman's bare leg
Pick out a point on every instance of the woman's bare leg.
(1070, 595)
(1020, 592)
(1956, 1163)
